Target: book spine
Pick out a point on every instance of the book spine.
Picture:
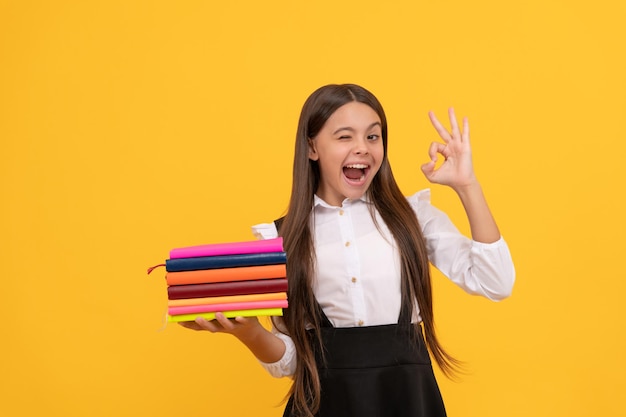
(231, 248)
(245, 273)
(225, 261)
(217, 289)
(228, 314)
(227, 299)
(206, 308)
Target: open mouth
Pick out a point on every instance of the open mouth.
(355, 172)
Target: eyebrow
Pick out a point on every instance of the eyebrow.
(351, 129)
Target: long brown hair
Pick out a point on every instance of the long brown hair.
(298, 242)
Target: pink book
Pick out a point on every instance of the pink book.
(230, 248)
(249, 305)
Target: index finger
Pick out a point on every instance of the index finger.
(443, 132)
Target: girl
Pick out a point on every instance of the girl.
(356, 336)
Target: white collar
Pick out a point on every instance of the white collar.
(318, 201)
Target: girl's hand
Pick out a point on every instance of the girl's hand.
(262, 343)
(240, 327)
(457, 170)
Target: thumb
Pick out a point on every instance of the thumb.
(428, 168)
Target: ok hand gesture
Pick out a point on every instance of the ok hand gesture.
(457, 170)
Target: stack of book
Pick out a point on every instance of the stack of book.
(238, 279)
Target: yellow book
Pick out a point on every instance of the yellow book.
(228, 314)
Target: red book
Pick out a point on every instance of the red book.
(218, 289)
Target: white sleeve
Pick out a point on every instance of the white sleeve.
(264, 231)
(285, 366)
(479, 268)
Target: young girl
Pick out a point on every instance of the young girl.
(356, 336)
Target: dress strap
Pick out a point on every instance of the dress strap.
(406, 313)
(324, 321)
(279, 222)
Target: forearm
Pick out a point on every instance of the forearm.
(482, 224)
(264, 345)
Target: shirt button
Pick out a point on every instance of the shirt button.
(354, 280)
(361, 323)
(347, 244)
(341, 212)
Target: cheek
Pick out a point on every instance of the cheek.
(327, 168)
(379, 154)
(380, 157)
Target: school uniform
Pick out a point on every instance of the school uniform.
(372, 368)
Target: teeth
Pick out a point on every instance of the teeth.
(357, 166)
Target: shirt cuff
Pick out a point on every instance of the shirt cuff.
(493, 262)
(500, 243)
(285, 366)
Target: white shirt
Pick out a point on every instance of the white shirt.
(357, 270)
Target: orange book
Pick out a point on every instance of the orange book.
(227, 299)
(244, 273)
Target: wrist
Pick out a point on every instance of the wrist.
(265, 346)
(251, 334)
(468, 188)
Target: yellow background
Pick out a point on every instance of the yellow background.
(129, 128)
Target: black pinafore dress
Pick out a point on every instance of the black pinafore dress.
(376, 371)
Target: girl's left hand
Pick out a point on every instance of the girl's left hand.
(457, 170)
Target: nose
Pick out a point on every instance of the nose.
(361, 147)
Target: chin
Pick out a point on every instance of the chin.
(355, 195)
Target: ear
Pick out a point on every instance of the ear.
(313, 155)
